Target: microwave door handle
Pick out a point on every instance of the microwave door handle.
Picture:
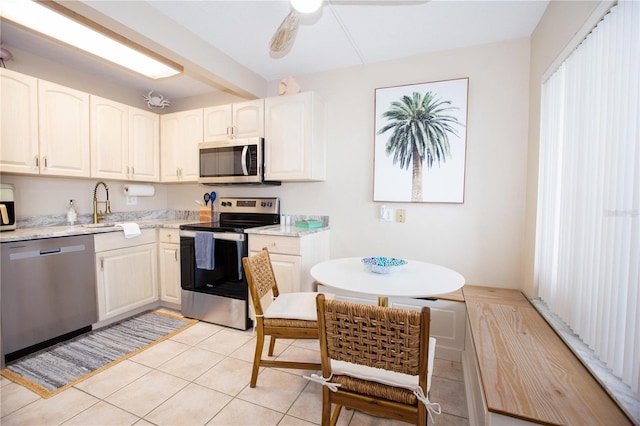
(245, 170)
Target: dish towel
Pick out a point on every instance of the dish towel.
(205, 256)
(131, 229)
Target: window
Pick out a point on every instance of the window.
(588, 231)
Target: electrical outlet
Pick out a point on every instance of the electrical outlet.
(132, 200)
(401, 215)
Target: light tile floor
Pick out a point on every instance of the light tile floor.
(201, 377)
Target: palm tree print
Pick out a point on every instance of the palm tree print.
(421, 127)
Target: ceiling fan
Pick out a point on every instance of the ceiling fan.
(285, 35)
(282, 40)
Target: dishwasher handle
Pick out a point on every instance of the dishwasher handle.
(47, 252)
(50, 251)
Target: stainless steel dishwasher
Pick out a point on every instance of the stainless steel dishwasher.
(48, 292)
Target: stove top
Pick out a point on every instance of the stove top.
(238, 214)
(213, 227)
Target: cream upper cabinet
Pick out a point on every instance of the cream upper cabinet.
(239, 120)
(19, 131)
(124, 142)
(180, 134)
(63, 127)
(144, 145)
(295, 138)
(109, 138)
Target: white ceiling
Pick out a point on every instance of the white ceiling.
(341, 34)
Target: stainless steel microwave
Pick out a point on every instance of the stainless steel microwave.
(232, 161)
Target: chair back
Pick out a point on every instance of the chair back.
(260, 278)
(374, 336)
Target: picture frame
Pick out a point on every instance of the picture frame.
(427, 121)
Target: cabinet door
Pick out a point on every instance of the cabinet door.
(109, 139)
(447, 323)
(248, 119)
(127, 279)
(170, 135)
(180, 134)
(192, 136)
(170, 273)
(144, 146)
(217, 122)
(19, 130)
(63, 125)
(287, 272)
(295, 138)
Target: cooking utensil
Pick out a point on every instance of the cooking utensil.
(212, 197)
(206, 197)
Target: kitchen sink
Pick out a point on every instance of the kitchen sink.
(97, 225)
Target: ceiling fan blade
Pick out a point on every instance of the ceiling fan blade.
(285, 35)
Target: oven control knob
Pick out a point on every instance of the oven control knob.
(263, 204)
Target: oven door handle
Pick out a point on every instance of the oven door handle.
(245, 169)
(228, 236)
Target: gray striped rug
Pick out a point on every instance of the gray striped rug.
(54, 369)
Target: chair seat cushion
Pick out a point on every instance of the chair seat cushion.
(385, 377)
(300, 306)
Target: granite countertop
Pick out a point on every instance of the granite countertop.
(40, 228)
(285, 230)
(24, 234)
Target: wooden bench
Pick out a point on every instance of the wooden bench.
(524, 373)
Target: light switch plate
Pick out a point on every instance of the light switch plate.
(385, 213)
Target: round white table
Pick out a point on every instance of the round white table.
(415, 279)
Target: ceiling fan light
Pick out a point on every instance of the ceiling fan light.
(306, 6)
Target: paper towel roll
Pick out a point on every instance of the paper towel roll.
(133, 190)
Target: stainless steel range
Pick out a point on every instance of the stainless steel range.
(216, 290)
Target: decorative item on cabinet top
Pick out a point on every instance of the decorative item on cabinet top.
(156, 101)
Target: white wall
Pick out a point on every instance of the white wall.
(36, 196)
(482, 238)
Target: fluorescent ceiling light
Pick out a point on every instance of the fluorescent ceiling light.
(92, 38)
(306, 6)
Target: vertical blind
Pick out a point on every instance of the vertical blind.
(588, 225)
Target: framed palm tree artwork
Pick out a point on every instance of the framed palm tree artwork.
(420, 142)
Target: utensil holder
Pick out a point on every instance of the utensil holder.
(206, 214)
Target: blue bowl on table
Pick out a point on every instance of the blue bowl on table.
(383, 265)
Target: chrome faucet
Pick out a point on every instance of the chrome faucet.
(107, 209)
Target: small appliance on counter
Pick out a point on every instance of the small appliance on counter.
(7, 207)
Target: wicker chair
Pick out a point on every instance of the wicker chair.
(375, 359)
(290, 315)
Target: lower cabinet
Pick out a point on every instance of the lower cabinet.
(169, 259)
(448, 320)
(292, 257)
(127, 274)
